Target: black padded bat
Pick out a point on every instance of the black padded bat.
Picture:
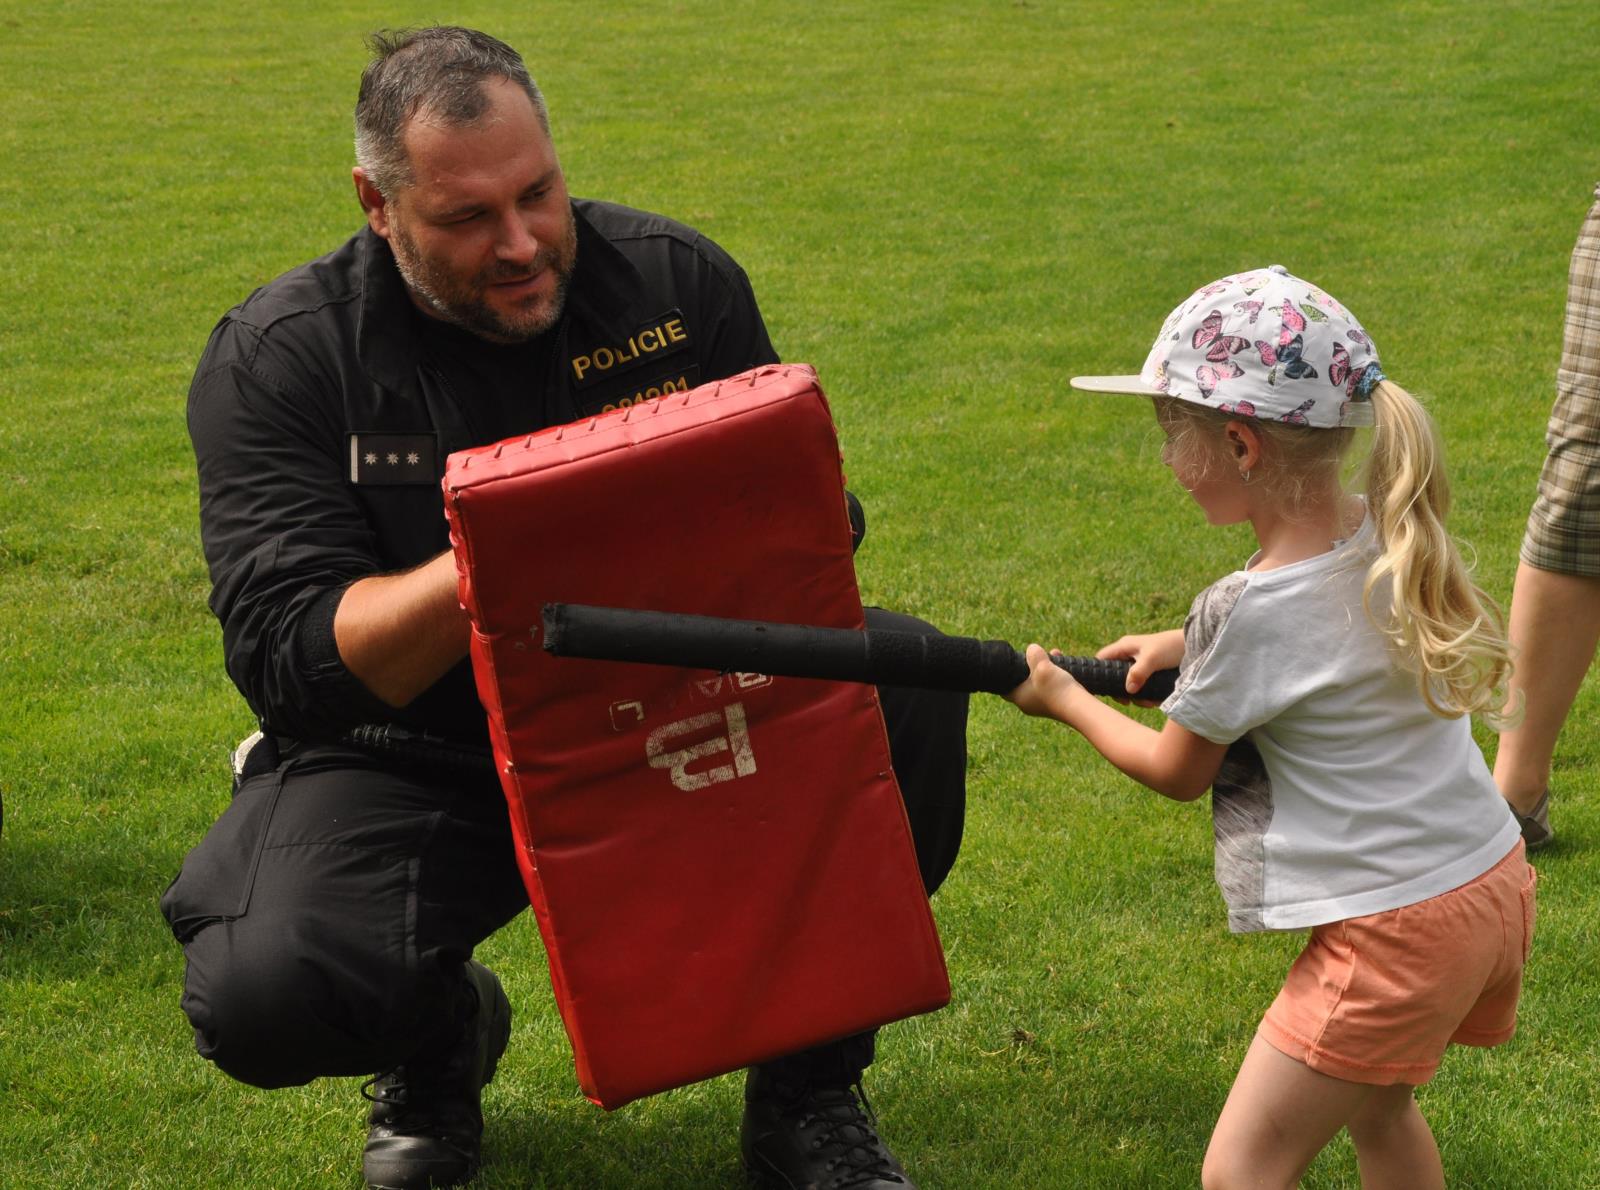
(879, 656)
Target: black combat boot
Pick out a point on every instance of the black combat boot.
(805, 1136)
(426, 1124)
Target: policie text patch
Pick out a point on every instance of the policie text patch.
(382, 458)
(661, 335)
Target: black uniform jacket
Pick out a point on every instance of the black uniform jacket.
(325, 405)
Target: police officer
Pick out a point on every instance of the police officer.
(329, 917)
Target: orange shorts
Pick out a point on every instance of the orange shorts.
(1377, 999)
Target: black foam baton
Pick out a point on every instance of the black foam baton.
(882, 657)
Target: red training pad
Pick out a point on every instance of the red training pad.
(720, 864)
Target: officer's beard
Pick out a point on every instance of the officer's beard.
(462, 302)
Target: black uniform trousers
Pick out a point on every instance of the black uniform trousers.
(327, 915)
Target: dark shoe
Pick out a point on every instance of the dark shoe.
(803, 1137)
(426, 1124)
(1535, 824)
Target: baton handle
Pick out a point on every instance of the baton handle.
(882, 657)
(396, 743)
(1108, 678)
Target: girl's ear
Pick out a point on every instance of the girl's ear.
(1243, 441)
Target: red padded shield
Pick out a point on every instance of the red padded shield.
(720, 864)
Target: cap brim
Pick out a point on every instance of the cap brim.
(1131, 385)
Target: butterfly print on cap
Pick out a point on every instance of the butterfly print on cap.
(1287, 350)
(1208, 377)
(1218, 345)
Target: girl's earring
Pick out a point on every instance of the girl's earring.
(1244, 476)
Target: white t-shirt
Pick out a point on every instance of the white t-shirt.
(1342, 794)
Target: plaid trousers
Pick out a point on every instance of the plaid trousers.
(1564, 526)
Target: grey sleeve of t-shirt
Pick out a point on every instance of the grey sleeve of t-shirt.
(1201, 631)
(1241, 795)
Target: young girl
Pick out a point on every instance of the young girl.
(1324, 696)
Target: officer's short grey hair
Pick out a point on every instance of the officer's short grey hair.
(440, 69)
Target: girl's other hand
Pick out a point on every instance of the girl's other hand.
(1148, 652)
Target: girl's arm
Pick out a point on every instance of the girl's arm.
(1175, 762)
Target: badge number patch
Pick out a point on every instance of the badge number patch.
(385, 459)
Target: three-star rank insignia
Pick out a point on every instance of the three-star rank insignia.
(378, 457)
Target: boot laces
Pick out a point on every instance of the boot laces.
(394, 1091)
(846, 1127)
(408, 1105)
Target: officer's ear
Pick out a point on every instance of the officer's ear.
(372, 202)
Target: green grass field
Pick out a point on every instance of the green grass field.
(948, 209)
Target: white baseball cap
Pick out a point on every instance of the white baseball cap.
(1261, 344)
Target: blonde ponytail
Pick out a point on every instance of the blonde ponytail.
(1436, 620)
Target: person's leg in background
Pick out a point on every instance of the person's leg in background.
(1555, 605)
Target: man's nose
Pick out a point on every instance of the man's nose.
(516, 243)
